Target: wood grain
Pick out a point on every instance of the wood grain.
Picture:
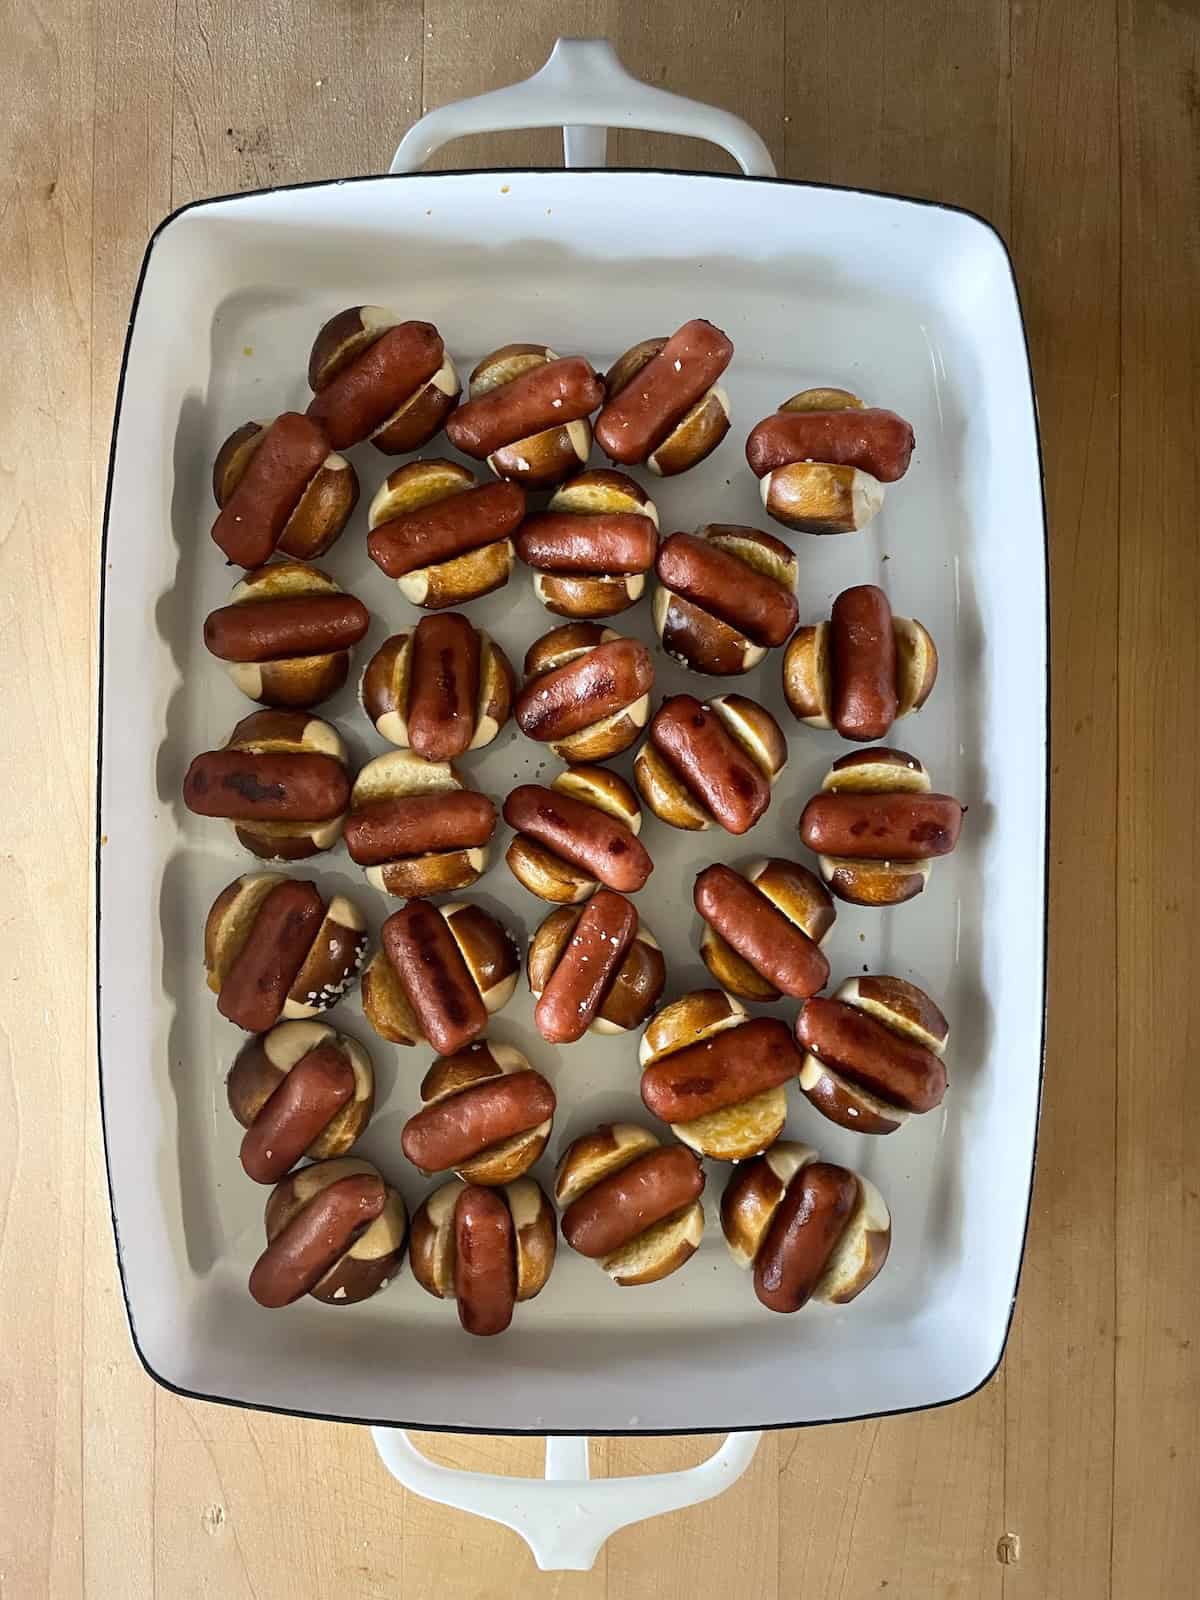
(1075, 126)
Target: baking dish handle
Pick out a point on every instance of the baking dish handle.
(565, 1517)
(584, 89)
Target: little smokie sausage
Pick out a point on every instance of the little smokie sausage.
(710, 762)
(724, 1070)
(434, 975)
(640, 416)
(590, 959)
(584, 835)
(443, 686)
(875, 441)
(413, 825)
(273, 630)
(862, 644)
(897, 826)
(369, 389)
(584, 691)
(604, 542)
(803, 1235)
(255, 988)
(300, 1255)
(460, 1126)
(629, 1201)
(288, 786)
(855, 1045)
(252, 520)
(485, 1261)
(760, 933)
(731, 589)
(303, 1104)
(446, 528)
(544, 397)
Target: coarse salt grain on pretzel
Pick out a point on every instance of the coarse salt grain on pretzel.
(281, 780)
(528, 414)
(488, 1249)
(860, 671)
(275, 951)
(416, 828)
(630, 1203)
(593, 970)
(577, 834)
(717, 1075)
(823, 459)
(286, 634)
(335, 1230)
(591, 548)
(726, 596)
(586, 691)
(873, 1054)
(302, 1089)
(439, 689)
(664, 405)
(444, 538)
(876, 827)
(809, 1229)
(763, 928)
(716, 762)
(280, 486)
(378, 378)
(440, 973)
(486, 1114)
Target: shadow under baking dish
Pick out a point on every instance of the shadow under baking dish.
(912, 307)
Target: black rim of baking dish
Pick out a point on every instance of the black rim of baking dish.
(555, 173)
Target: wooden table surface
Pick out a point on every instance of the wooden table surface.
(1075, 126)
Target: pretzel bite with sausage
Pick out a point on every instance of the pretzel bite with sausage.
(586, 692)
(664, 405)
(336, 1231)
(286, 635)
(876, 827)
(439, 689)
(280, 486)
(594, 970)
(488, 1249)
(630, 1203)
(577, 834)
(873, 1054)
(763, 928)
(486, 1115)
(591, 549)
(809, 1229)
(860, 671)
(276, 951)
(378, 378)
(716, 762)
(528, 415)
(302, 1089)
(717, 1075)
(726, 596)
(281, 780)
(416, 828)
(823, 459)
(442, 537)
(440, 973)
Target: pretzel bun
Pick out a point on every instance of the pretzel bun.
(799, 1248)
(586, 691)
(405, 831)
(675, 413)
(601, 850)
(716, 762)
(608, 989)
(443, 538)
(775, 926)
(395, 385)
(726, 595)
(477, 1096)
(592, 547)
(509, 1265)
(663, 1226)
(813, 495)
(335, 1230)
(528, 414)
(389, 693)
(717, 1076)
(280, 489)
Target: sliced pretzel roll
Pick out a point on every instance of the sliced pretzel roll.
(402, 804)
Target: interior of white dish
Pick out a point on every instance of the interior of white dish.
(910, 306)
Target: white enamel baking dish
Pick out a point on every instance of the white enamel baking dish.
(910, 304)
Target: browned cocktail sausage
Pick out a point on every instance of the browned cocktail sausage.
(894, 826)
(803, 1233)
(443, 686)
(300, 1255)
(856, 1046)
(593, 954)
(759, 932)
(389, 830)
(584, 691)
(874, 440)
(303, 1104)
(485, 1261)
(446, 528)
(431, 969)
(710, 762)
(544, 397)
(376, 383)
(712, 578)
(571, 541)
(722, 1070)
(582, 834)
(272, 630)
(632, 1199)
(457, 1128)
(255, 988)
(287, 786)
(862, 645)
(252, 520)
(637, 419)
